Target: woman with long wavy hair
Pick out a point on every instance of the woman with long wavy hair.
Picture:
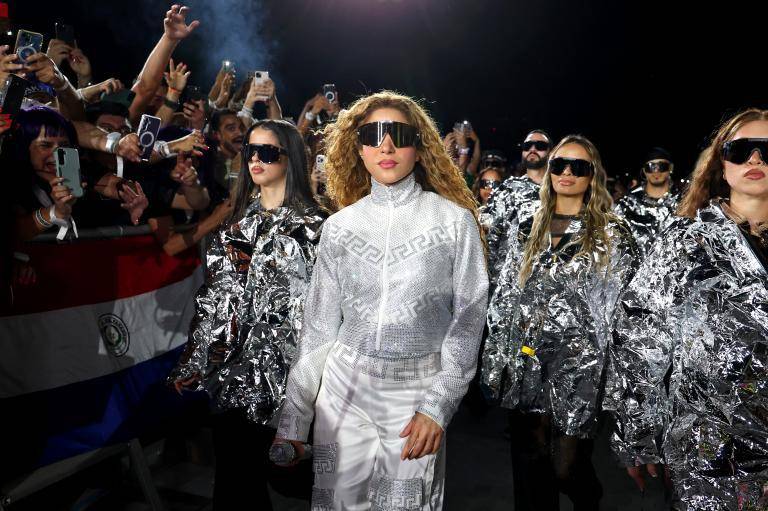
(394, 313)
(550, 321)
(692, 342)
(248, 312)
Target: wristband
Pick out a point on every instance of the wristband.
(173, 105)
(163, 149)
(176, 91)
(112, 141)
(58, 221)
(310, 116)
(66, 84)
(463, 151)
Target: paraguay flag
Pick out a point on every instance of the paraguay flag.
(84, 352)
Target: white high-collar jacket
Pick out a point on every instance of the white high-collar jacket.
(400, 280)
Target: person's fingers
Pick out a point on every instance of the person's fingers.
(436, 441)
(652, 470)
(417, 447)
(407, 429)
(637, 476)
(171, 67)
(408, 446)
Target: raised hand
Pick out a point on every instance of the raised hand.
(175, 23)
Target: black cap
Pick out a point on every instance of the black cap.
(658, 153)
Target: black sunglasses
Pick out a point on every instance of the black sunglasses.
(402, 135)
(579, 168)
(489, 183)
(267, 153)
(738, 151)
(657, 166)
(540, 145)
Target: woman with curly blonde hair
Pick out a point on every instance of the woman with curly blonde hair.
(394, 313)
(550, 322)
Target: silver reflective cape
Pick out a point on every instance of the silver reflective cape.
(400, 281)
(517, 199)
(691, 351)
(249, 310)
(646, 217)
(547, 345)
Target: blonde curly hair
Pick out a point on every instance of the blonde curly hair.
(597, 213)
(348, 179)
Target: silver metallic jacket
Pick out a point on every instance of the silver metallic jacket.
(517, 199)
(400, 280)
(547, 345)
(647, 217)
(692, 355)
(248, 312)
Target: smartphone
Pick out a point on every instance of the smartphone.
(330, 93)
(65, 33)
(463, 126)
(68, 167)
(12, 91)
(320, 163)
(227, 66)
(260, 76)
(27, 44)
(194, 93)
(148, 130)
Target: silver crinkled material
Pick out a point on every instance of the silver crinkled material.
(647, 217)
(517, 198)
(249, 310)
(691, 353)
(401, 282)
(548, 342)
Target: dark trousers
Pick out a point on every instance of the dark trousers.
(546, 463)
(242, 462)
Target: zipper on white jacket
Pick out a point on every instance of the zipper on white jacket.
(384, 278)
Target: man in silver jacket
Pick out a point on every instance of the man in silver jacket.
(517, 197)
(650, 208)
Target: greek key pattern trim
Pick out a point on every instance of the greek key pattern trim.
(322, 499)
(405, 369)
(387, 494)
(324, 458)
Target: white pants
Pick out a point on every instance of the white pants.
(361, 408)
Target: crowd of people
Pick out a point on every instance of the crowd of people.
(362, 271)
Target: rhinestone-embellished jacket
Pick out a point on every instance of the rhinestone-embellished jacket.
(400, 279)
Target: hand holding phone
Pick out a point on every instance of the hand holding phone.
(68, 168)
(27, 44)
(149, 127)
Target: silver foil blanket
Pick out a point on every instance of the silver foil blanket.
(547, 347)
(249, 311)
(691, 353)
(646, 217)
(517, 199)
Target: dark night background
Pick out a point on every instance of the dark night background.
(627, 75)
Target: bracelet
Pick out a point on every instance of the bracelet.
(310, 116)
(171, 89)
(173, 105)
(58, 221)
(79, 94)
(113, 139)
(45, 224)
(163, 149)
(463, 151)
(66, 84)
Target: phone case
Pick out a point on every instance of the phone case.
(148, 130)
(12, 91)
(68, 167)
(27, 44)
